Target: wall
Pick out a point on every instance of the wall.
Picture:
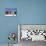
(28, 12)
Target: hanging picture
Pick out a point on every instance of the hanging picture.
(10, 11)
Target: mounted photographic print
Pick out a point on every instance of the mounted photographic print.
(10, 11)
